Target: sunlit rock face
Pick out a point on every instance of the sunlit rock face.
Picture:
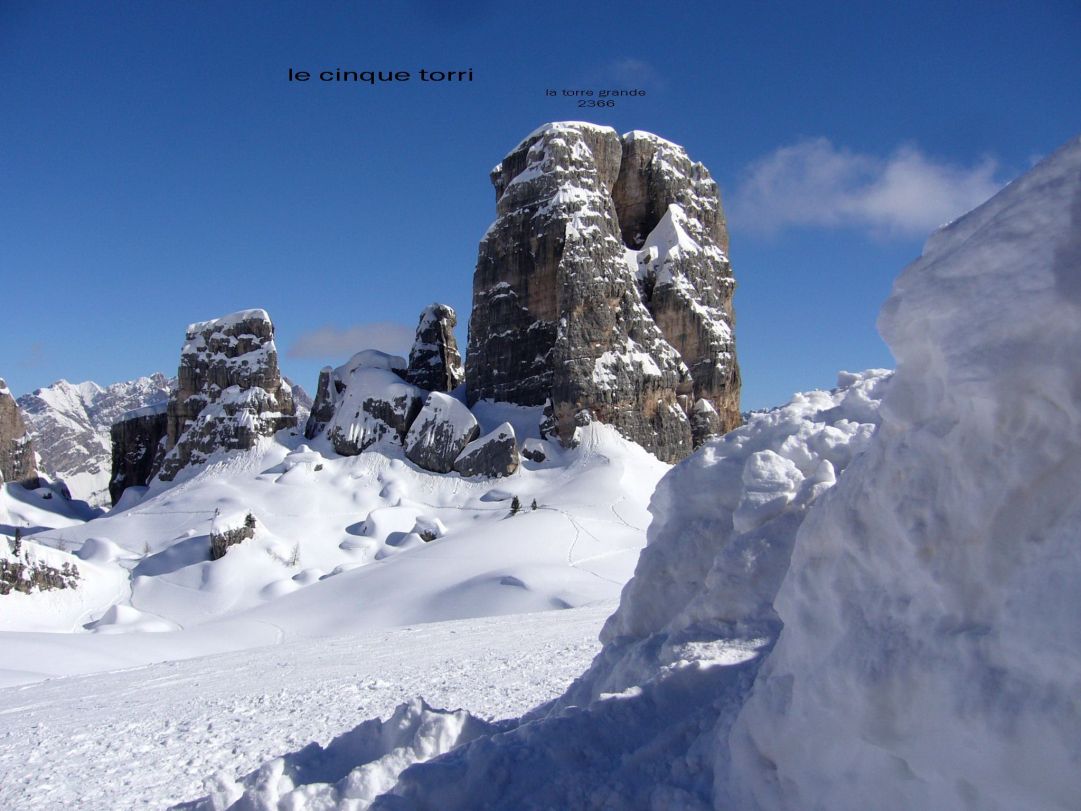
(604, 287)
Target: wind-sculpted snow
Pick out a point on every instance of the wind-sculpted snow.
(932, 650)
(318, 777)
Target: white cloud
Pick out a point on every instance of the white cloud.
(331, 341)
(813, 183)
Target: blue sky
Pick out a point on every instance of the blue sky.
(157, 167)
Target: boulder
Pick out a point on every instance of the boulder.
(494, 454)
(441, 431)
(363, 402)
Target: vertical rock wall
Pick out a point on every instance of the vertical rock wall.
(604, 287)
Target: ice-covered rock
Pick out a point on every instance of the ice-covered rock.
(138, 447)
(229, 392)
(603, 286)
(494, 454)
(17, 461)
(434, 362)
(440, 432)
(71, 423)
(363, 402)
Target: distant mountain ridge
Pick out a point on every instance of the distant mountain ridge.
(69, 425)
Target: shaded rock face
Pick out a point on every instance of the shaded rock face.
(17, 461)
(603, 287)
(70, 424)
(363, 402)
(230, 391)
(138, 443)
(434, 362)
(493, 455)
(440, 433)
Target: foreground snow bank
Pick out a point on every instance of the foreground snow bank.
(931, 656)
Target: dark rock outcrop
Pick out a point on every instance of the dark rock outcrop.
(441, 431)
(138, 442)
(363, 402)
(604, 288)
(494, 454)
(17, 461)
(434, 362)
(230, 391)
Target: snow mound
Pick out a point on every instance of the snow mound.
(353, 769)
(931, 645)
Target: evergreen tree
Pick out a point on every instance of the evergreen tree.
(515, 505)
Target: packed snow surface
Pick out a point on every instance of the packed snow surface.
(149, 736)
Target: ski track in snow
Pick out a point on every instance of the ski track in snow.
(147, 737)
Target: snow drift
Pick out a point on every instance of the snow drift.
(931, 656)
(906, 639)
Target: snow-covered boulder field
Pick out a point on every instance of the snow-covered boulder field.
(310, 543)
(830, 616)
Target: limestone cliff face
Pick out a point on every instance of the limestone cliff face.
(604, 287)
(17, 462)
(229, 393)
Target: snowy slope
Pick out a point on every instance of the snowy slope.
(338, 548)
(70, 423)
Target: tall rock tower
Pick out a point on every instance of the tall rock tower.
(604, 287)
(229, 392)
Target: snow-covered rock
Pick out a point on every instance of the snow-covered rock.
(364, 401)
(434, 362)
(71, 423)
(440, 433)
(603, 286)
(230, 391)
(493, 455)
